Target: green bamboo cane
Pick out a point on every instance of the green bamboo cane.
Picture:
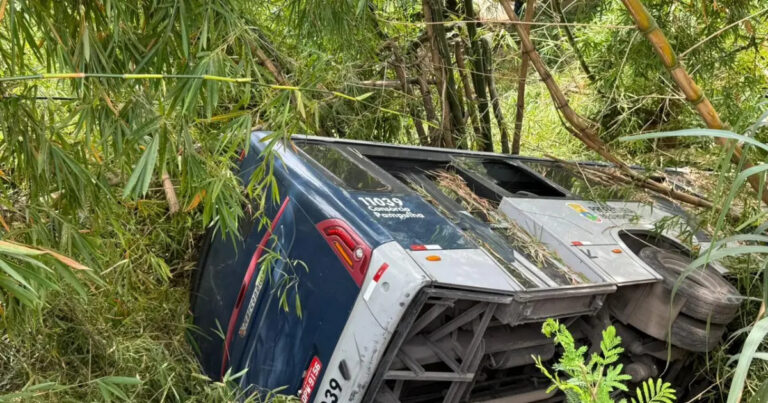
(206, 77)
(127, 76)
(648, 26)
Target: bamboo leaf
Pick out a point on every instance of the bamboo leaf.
(183, 25)
(364, 96)
(361, 4)
(761, 396)
(122, 380)
(109, 390)
(139, 181)
(31, 392)
(14, 274)
(13, 248)
(759, 356)
(199, 196)
(726, 252)
(760, 122)
(698, 133)
(69, 277)
(300, 105)
(71, 263)
(86, 44)
(24, 296)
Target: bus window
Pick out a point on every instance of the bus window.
(343, 168)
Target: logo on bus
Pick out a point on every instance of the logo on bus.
(584, 212)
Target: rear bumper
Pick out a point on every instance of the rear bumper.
(407, 309)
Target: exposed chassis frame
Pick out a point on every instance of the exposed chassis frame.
(462, 372)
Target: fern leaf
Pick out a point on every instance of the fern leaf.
(655, 391)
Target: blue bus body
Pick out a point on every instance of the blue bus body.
(368, 283)
(281, 340)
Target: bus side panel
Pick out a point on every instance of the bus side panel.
(219, 279)
(275, 344)
(282, 339)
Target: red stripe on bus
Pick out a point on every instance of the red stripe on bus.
(247, 283)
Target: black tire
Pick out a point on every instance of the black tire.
(692, 335)
(709, 297)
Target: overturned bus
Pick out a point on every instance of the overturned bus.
(411, 274)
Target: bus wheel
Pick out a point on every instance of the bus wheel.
(709, 297)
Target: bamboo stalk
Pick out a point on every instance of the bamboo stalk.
(400, 72)
(571, 39)
(468, 94)
(2, 9)
(561, 102)
(170, 193)
(477, 78)
(126, 76)
(438, 72)
(429, 110)
(647, 25)
(495, 103)
(392, 84)
(521, 82)
(205, 77)
(461, 143)
(433, 13)
(583, 129)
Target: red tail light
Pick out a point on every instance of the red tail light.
(348, 246)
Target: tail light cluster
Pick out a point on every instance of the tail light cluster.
(348, 247)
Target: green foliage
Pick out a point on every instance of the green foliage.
(749, 245)
(634, 89)
(81, 170)
(598, 380)
(592, 381)
(654, 391)
(28, 274)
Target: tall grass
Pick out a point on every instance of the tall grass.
(740, 238)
